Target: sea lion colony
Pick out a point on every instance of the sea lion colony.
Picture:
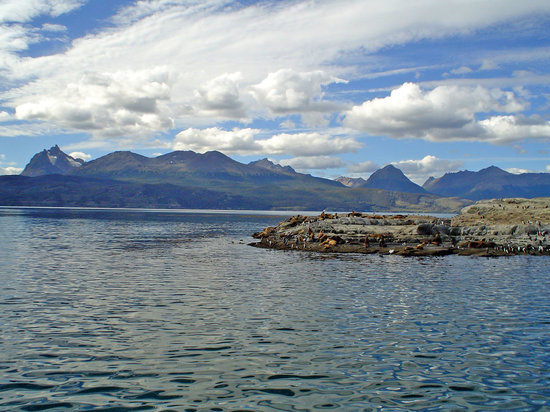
(496, 227)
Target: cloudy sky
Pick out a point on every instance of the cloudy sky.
(328, 87)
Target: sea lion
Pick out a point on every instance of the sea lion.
(437, 239)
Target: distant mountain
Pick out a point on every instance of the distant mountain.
(69, 191)
(51, 162)
(351, 181)
(209, 163)
(391, 178)
(489, 183)
(269, 165)
(185, 179)
(428, 181)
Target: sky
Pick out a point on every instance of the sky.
(332, 88)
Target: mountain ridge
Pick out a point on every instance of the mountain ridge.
(209, 180)
(490, 182)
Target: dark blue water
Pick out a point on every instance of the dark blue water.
(114, 310)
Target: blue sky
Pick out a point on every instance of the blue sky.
(329, 87)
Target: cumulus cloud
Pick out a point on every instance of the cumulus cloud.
(107, 104)
(8, 168)
(548, 168)
(509, 129)
(419, 170)
(446, 113)
(518, 171)
(236, 141)
(303, 163)
(80, 155)
(286, 91)
(309, 144)
(245, 141)
(363, 167)
(202, 40)
(221, 96)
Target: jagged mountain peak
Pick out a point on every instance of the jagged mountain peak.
(265, 163)
(428, 181)
(351, 181)
(51, 161)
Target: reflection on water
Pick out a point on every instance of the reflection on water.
(111, 310)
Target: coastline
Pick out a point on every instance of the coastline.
(497, 227)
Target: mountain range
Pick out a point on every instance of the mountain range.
(490, 183)
(185, 179)
(387, 178)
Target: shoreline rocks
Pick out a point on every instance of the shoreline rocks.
(498, 227)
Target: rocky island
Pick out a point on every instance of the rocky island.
(497, 227)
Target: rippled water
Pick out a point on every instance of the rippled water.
(107, 310)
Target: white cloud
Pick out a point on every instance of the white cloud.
(309, 144)
(287, 91)
(28, 129)
(236, 141)
(10, 170)
(509, 129)
(462, 70)
(288, 124)
(5, 116)
(363, 167)
(107, 104)
(517, 170)
(221, 96)
(7, 168)
(16, 34)
(80, 155)
(244, 141)
(419, 170)
(488, 64)
(22, 11)
(53, 27)
(446, 113)
(13, 38)
(548, 168)
(91, 144)
(313, 163)
(202, 40)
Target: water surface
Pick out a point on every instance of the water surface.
(110, 310)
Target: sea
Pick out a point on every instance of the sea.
(172, 310)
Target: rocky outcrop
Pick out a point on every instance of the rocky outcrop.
(487, 228)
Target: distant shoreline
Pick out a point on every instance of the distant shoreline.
(215, 211)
